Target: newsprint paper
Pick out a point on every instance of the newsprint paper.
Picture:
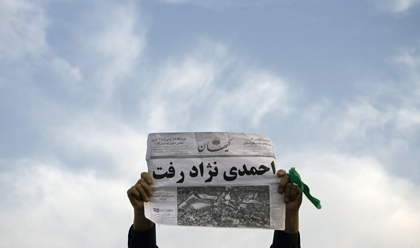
(214, 180)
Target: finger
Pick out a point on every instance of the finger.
(141, 191)
(299, 194)
(146, 176)
(287, 192)
(133, 193)
(146, 187)
(281, 173)
(294, 192)
(283, 182)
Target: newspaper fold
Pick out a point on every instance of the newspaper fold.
(214, 179)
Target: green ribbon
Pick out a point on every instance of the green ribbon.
(294, 177)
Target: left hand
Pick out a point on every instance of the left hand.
(292, 192)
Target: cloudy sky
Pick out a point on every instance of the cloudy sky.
(334, 84)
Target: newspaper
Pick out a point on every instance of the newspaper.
(215, 180)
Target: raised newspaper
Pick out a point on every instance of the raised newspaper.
(215, 180)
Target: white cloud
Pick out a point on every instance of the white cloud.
(219, 3)
(404, 5)
(110, 42)
(361, 202)
(181, 84)
(50, 206)
(260, 94)
(392, 6)
(23, 32)
(408, 118)
(175, 1)
(382, 119)
(408, 61)
(117, 44)
(213, 83)
(66, 71)
(357, 120)
(395, 6)
(22, 29)
(403, 111)
(102, 137)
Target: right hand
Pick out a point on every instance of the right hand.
(292, 199)
(140, 192)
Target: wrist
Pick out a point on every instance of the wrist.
(292, 222)
(138, 211)
(141, 223)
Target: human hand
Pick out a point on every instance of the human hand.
(138, 194)
(292, 192)
(292, 199)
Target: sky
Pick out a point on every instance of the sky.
(334, 84)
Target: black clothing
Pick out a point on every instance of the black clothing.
(147, 239)
(285, 240)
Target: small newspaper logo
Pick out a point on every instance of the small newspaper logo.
(156, 209)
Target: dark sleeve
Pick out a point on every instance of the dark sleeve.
(285, 240)
(145, 239)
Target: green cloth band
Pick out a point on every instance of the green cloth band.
(294, 177)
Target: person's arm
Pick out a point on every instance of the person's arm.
(290, 237)
(142, 233)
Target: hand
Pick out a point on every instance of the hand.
(138, 194)
(292, 199)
